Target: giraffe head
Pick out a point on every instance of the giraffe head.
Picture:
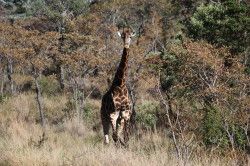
(126, 35)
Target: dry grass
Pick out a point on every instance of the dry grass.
(73, 142)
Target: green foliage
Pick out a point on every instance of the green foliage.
(212, 128)
(77, 6)
(247, 70)
(38, 7)
(88, 113)
(54, 9)
(49, 86)
(239, 136)
(147, 115)
(171, 71)
(4, 97)
(168, 72)
(215, 133)
(15, 7)
(224, 23)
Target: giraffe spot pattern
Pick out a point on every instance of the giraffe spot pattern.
(116, 102)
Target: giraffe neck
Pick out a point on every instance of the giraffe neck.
(121, 73)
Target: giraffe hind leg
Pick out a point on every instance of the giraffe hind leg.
(126, 131)
(126, 116)
(120, 129)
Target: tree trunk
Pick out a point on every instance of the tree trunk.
(81, 102)
(61, 49)
(171, 125)
(62, 77)
(2, 83)
(1, 78)
(39, 100)
(76, 101)
(133, 101)
(132, 85)
(76, 98)
(9, 75)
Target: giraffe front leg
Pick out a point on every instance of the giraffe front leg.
(106, 125)
(114, 116)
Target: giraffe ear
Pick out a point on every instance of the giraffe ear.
(119, 34)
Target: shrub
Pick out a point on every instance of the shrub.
(240, 139)
(49, 85)
(88, 113)
(215, 133)
(212, 128)
(224, 23)
(147, 115)
(4, 97)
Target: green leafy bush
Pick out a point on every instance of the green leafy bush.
(215, 133)
(240, 139)
(53, 9)
(49, 86)
(88, 113)
(213, 130)
(4, 97)
(224, 23)
(147, 115)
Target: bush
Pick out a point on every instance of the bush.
(88, 113)
(147, 115)
(216, 134)
(212, 128)
(4, 97)
(224, 23)
(49, 85)
(239, 137)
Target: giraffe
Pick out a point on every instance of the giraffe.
(116, 105)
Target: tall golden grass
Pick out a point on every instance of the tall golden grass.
(73, 142)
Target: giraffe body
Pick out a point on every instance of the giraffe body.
(116, 104)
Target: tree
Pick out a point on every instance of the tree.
(195, 74)
(226, 23)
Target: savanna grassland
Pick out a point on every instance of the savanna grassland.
(74, 142)
(188, 79)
